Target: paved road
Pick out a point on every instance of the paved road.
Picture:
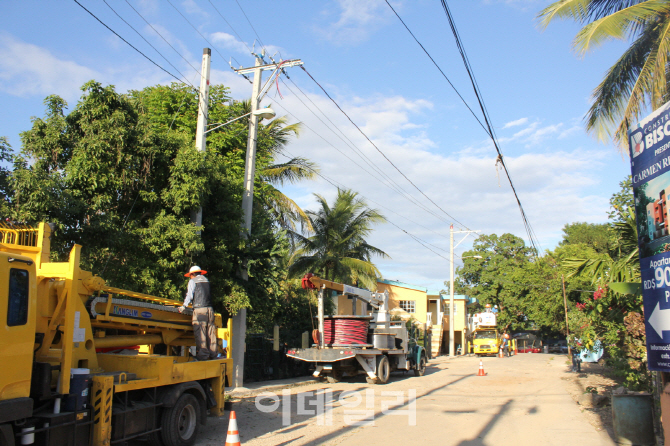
(522, 401)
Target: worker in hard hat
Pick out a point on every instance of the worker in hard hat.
(204, 328)
(505, 344)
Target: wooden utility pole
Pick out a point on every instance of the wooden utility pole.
(565, 305)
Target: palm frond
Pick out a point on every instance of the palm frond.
(618, 25)
(563, 9)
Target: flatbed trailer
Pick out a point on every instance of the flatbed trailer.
(389, 346)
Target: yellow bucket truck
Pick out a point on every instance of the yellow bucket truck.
(84, 364)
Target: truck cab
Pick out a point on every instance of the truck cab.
(486, 341)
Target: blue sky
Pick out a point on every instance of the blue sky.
(535, 88)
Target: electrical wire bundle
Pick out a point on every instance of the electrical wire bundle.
(345, 331)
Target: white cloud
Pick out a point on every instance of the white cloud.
(357, 20)
(27, 69)
(30, 70)
(554, 187)
(515, 123)
(229, 42)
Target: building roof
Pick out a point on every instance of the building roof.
(403, 285)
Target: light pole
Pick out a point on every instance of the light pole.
(451, 287)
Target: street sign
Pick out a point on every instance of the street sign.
(650, 165)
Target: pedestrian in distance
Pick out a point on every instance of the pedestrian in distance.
(505, 344)
(204, 328)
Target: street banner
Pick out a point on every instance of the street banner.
(650, 165)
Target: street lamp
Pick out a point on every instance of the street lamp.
(263, 113)
(452, 350)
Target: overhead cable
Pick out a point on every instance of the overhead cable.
(379, 150)
(529, 230)
(128, 43)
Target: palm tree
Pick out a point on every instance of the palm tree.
(337, 250)
(638, 81)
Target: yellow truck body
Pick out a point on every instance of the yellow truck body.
(131, 350)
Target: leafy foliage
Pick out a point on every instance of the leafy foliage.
(120, 175)
(638, 80)
(594, 235)
(498, 277)
(337, 250)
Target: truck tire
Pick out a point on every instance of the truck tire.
(421, 366)
(180, 423)
(383, 369)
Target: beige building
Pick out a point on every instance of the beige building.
(461, 304)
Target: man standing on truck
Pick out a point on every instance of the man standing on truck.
(204, 328)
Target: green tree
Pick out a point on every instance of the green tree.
(337, 250)
(6, 160)
(120, 175)
(498, 278)
(594, 235)
(638, 80)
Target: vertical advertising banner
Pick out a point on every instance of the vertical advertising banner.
(650, 165)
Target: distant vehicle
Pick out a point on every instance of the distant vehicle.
(558, 346)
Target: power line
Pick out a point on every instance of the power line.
(379, 174)
(487, 128)
(252, 26)
(437, 66)
(382, 153)
(229, 25)
(425, 244)
(196, 29)
(129, 44)
(529, 230)
(138, 33)
(164, 39)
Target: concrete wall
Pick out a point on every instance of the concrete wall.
(398, 293)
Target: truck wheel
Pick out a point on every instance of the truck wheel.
(420, 367)
(180, 422)
(383, 369)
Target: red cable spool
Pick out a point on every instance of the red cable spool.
(345, 331)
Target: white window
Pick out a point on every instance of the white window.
(446, 309)
(408, 305)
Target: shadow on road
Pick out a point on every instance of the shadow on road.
(479, 440)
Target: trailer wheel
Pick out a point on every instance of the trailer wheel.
(180, 422)
(420, 367)
(383, 369)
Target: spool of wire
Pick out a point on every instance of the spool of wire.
(345, 331)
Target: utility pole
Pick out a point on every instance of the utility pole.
(451, 292)
(452, 350)
(565, 305)
(240, 319)
(203, 104)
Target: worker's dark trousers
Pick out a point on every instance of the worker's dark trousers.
(205, 333)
